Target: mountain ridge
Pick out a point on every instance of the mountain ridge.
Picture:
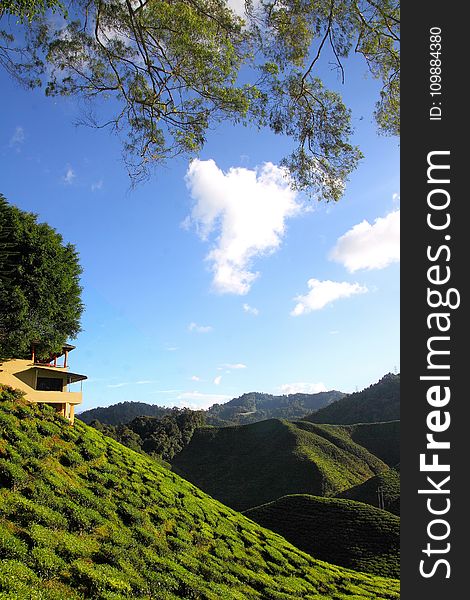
(380, 402)
(250, 407)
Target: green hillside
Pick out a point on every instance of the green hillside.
(249, 465)
(377, 403)
(381, 439)
(343, 532)
(122, 412)
(256, 406)
(385, 485)
(248, 408)
(83, 517)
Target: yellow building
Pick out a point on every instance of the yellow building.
(44, 381)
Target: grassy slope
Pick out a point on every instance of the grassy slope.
(378, 403)
(388, 481)
(343, 532)
(249, 465)
(81, 516)
(380, 439)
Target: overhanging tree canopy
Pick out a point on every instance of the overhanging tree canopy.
(176, 68)
(40, 293)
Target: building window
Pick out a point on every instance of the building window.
(49, 384)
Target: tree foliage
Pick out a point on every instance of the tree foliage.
(27, 10)
(173, 69)
(159, 437)
(39, 285)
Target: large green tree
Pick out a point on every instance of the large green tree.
(40, 293)
(173, 69)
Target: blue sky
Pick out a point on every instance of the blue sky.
(213, 278)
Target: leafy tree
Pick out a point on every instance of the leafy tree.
(175, 68)
(39, 285)
(161, 437)
(29, 9)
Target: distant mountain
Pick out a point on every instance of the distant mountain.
(249, 408)
(256, 406)
(249, 465)
(343, 532)
(123, 412)
(84, 517)
(378, 402)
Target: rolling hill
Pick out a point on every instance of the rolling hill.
(343, 532)
(381, 439)
(385, 485)
(249, 465)
(82, 516)
(248, 408)
(122, 412)
(256, 406)
(378, 403)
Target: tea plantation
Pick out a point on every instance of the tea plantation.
(343, 532)
(387, 483)
(249, 465)
(83, 517)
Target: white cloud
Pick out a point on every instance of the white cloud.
(367, 246)
(199, 328)
(17, 138)
(69, 176)
(195, 378)
(395, 197)
(97, 185)
(217, 380)
(303, 388)
(243, 211)
(251, 310)
(197, 400)
(124, 383)
(324, 292)
(233, 366)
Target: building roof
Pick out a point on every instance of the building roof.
(71, 377)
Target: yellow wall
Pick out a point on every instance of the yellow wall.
(19, 374)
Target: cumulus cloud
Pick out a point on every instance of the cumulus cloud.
(69, 176)
(199, 328)
(197, 400)
(195, 378)
(251, 310)
(242, 214)
(324, 292)
(217, 380)
(367, 246)
(303, 388)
